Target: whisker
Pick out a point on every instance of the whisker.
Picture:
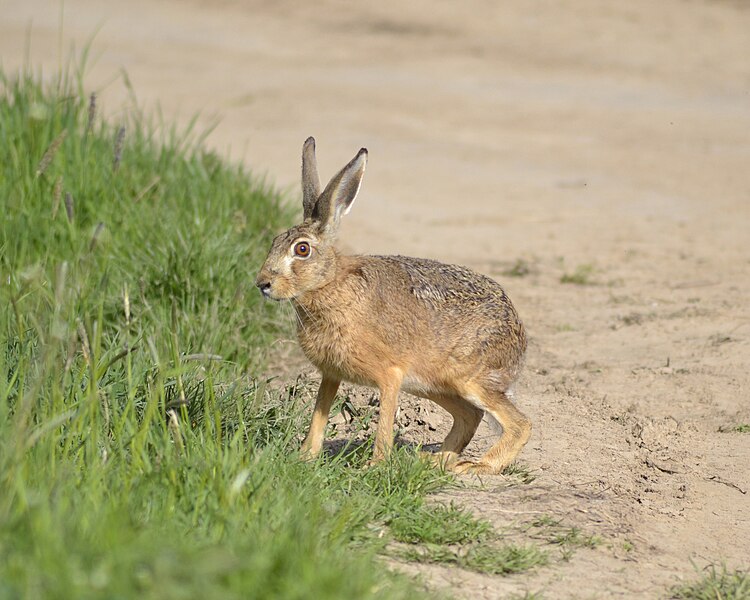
(297, 308)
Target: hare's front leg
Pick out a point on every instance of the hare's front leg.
(389, 386)
(313, 443)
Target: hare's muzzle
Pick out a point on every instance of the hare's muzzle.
(264, 287)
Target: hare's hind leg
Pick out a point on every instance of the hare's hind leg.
(516, 432)
(313, 443)
(466, 419)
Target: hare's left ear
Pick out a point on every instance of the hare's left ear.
(340, 193)
(310, 179)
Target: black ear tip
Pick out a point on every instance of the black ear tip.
(362, 151)
(310, 140)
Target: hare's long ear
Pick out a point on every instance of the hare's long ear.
(310, 179)
(339, 195)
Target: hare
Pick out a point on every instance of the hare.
(438, 331)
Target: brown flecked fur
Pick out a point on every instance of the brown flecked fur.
(439, 331)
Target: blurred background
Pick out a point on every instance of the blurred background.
(494, 128)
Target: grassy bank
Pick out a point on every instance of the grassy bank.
(139, 455)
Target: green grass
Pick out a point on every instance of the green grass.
(437, 524)
(582, 275)
(519, 471)
(737, 428)
(717, 583)
(489, 559)
(140, 453)
(568, 539)
(520, 268)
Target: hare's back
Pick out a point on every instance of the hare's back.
(446, 287)
(460, 314)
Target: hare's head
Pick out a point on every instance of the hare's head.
(303, 258)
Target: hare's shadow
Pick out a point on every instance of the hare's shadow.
(348, 449)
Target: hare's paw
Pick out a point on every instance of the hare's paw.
(307, 453)
(374, 462)
(443, 460)
(472, 468)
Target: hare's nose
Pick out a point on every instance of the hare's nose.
(264, 287)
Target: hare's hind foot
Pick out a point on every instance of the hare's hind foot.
(469, 467)
(516, 432)
(442, 460)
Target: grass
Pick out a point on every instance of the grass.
(451, 536)
(519, 471)
(438, 525)
(583, 275)
(489, 559)
(568, 539)
(141, 455)
(735, 428)
(520, 268)
(717, 583)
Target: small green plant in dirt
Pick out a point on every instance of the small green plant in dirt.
(520, 268)
(568, 539)
(438, 524)
(490, 559)
(451, 535)
(582, 275)
(358, 419)
(739, 428)
(140, 455)
(716, 583)
(519, 471)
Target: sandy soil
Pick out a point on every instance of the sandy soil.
(556, 133)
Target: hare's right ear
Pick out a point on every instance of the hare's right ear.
(310, 179)
(340, 193)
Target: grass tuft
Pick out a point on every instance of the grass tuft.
(519, 471)
(717, 583)
(520, 268)
(567, 539)
(490, 559)
(583, 275)
(438, 524)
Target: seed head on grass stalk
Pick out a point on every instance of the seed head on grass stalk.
(95, 236)
(126, 304)
(91, 113)
(174, 429)
(85, 347)
(119, 139)
(69, 206)
(50, 153)
(57, 196)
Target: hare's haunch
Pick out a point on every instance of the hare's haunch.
(438, 331)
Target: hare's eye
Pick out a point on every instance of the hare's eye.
(302, 249)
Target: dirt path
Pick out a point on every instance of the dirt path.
(552, 136)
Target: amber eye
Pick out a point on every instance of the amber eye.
(302, 249)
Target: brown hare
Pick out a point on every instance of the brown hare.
(438, 331)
